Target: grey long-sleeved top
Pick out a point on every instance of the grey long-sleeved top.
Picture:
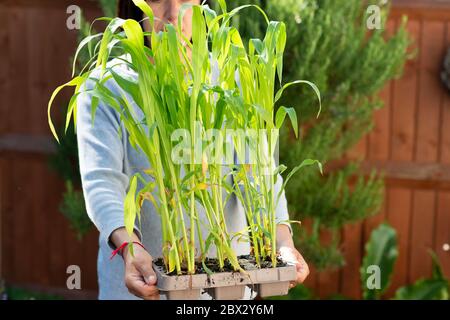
(107, 162)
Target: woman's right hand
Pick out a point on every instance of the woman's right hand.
(140, 278)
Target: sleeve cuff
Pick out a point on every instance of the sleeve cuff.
(289, 226)
(107, 232)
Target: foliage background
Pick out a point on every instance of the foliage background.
(330, 45)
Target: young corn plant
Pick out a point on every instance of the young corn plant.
(173, 91)
(258, 68)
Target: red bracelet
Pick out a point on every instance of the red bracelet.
(122, 246)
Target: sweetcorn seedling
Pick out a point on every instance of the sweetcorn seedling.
(175, 89)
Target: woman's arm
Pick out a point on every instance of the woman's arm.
(101, 158)
(285, 242)
(281, 209)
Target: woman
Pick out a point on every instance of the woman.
(107, 161)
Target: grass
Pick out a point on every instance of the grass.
(18, 293)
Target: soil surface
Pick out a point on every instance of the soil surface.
(247, 262)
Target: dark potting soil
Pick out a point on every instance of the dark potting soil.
(247, 262)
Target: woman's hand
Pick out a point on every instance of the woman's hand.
(140, 278)
(290, 254)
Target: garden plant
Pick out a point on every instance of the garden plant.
(330, 44)
(182, 123)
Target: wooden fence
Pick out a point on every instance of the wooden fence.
(411, 143)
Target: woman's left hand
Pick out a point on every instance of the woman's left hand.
(291, 255)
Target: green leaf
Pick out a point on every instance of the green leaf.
(437, 272)
(77, 81)
(281, 115)
(129, 85)
(381, 251)
(131, 248)
(219, 114)
(143, 5)
(280, 169)
(209, 241)
(70, 110)
(82, 44)
(134, 32)
(207, 270)
(428, 289)
(265, 115)
(94, 106)
(281, 44)
(305, 163)
(312, 85)
(103, 53)
(172, 258)
(223, 5)
(130, 208)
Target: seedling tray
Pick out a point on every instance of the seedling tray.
(225, 285)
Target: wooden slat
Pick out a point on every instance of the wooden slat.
(25, 143)
(328, 281)
(422, 4)
(56, 239)
(18, 67)
(445, 132)
(442, 223)
(350, 285)
(426, 148)
(39, 217)
(90, 250)
(411, 171)
(398, 214)
(348, 276)
(2, 213)
(379, 137)
(37, 83)
(50, 4)
(22, 228)
(4, 70)
(442, 231)
(430, 91)
(404, 105)
(405, 173)
(7, 217)
(421, 9)
(311, 280)
(444, 154)
(4, 95)
(421, 236)
(379, 144)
